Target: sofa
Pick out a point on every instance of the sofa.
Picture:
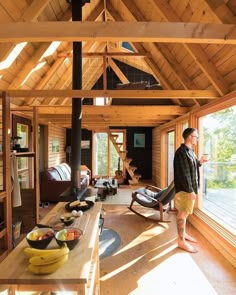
(55, 183)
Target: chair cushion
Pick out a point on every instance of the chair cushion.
(145, 201)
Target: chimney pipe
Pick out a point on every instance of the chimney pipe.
(76, 106)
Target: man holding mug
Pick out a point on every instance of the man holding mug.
(186, 179)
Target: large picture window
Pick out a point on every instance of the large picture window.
(170, 155)
(218, 132)
(21, 127)
(106, 158)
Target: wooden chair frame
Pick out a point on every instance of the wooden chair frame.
(161, 203)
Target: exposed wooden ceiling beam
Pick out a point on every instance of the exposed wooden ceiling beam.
(117, 17)
(136, 94)
(105, 54)
(118, 71)
(156, 55)
(140, 65)
(123, 111)
(34, 60)
(195, 50)
(30, 14)
(119, 31)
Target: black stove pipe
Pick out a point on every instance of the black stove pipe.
(76, 106)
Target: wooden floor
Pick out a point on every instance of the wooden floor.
(149, 262)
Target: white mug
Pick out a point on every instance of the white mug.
(205, 157)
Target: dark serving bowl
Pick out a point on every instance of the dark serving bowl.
(40, 238)
(67, 220)
(70, 236)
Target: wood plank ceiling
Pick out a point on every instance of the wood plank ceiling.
(187, 46)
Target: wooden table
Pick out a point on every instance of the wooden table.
(81, 271)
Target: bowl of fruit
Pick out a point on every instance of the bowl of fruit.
(40, 238)
(70, 236)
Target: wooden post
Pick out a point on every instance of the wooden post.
(36, 162)
(7, 170)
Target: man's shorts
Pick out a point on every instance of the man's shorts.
(183, 203)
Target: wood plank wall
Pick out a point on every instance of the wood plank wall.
(156, 156)
(1, 142)
(59, 134)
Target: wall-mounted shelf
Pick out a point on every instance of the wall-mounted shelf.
(24, 154)
(21, 154)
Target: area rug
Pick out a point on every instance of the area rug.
(109, 242)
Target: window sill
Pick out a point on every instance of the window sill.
(223, 240)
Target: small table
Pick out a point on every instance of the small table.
(105, 187)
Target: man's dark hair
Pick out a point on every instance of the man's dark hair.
(187, 132)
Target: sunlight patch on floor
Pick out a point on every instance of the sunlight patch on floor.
(142, 238)
(120, 269)
(178, 274)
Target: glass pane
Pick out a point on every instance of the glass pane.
(101, 158)
(219, 173)
(23, 132)
(170, 155)
(184, 126)
(23, 162)
(23, 178)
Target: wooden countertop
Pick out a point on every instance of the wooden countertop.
(75, 271)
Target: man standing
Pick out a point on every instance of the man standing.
(186, 179)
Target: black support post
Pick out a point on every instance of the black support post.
(76, 106)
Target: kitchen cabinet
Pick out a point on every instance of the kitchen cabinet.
(80, 273)
(29, 211)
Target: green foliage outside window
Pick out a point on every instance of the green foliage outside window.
(220, 143)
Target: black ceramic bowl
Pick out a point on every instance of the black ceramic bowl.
(67, 220)
(40, 238)
(70, 236)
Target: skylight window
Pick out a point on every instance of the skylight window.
(51, 49)
(36, 68)
(12, 56)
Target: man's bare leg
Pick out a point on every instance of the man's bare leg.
(181, 224)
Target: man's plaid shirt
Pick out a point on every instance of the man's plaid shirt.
(186, 170)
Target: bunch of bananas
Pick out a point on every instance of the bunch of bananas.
(46, 261)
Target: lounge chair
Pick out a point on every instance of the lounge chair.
(154, 198)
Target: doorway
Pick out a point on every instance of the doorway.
(106, 158)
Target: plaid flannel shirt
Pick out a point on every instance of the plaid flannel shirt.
(186, 170)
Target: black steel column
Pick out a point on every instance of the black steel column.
(76, 105)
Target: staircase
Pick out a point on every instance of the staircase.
(123, 156)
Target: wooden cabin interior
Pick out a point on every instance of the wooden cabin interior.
(140, 71)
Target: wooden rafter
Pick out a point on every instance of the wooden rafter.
(105, 54)
(123, 111)
(136, 94)
(195, 50)
(118, 71)
(150, 48)
(30, 14)
(220, 11)
(177, 32)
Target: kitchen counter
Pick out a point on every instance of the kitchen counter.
(80, 273)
